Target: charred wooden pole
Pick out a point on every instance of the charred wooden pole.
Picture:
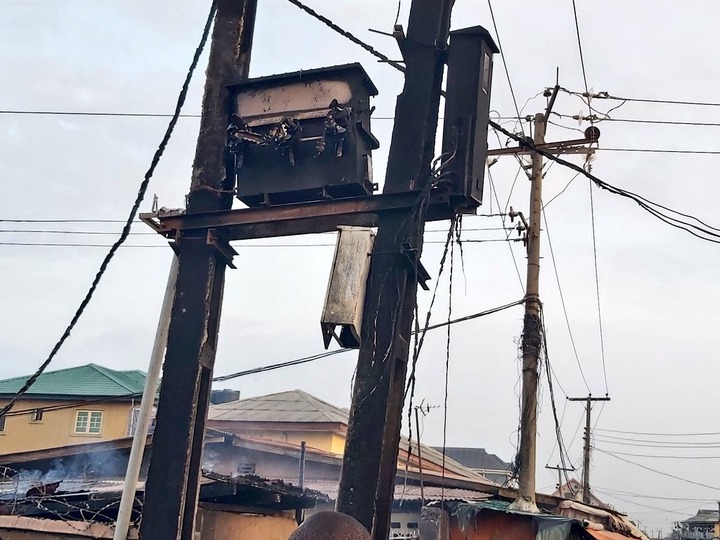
(174, 477)
(371, 449)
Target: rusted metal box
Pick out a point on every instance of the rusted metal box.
(345, 296)
(467, 111)
(302, 136)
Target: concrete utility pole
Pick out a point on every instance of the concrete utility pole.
(587, 448)
(532, 334)
(174, 477)
(370, 460)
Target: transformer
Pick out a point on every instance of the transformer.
(467, 111)
(302, 136)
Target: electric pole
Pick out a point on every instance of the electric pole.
(532, 334)
(589, 400)
(559, 470)
(173, 482)
(370, 460)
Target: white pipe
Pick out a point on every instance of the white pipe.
(146, 406)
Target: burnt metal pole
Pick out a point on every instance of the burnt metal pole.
(373, 436)
(174, 477)
(587, 448)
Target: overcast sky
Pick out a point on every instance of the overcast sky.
(658, 289)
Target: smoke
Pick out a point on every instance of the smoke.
(73, 474)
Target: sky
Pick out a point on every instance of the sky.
(657, 286)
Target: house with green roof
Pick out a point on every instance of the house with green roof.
(70, 406)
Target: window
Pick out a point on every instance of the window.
(37, 415)
(395, 525)
(2, 424)
(88, 422)
(412, 525)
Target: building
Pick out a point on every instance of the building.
(572, 489)
(481, 461)
(701, 526)
(292, 417)
(71, 406)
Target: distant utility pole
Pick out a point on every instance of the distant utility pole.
(559, 470)
(173, 482)
(371, 449)
(589, 400)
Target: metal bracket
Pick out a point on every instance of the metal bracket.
(413, 261)
(224, 249)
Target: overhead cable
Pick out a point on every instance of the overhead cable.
(699, 229)
(612, 454)
(131, 217)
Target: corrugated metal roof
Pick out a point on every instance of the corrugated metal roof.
(402, 492)
(88, 380)
(293, 406)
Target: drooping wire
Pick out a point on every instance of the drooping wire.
(131, 217)
(447, 360)
(597, 289)
(562, 450)
(580, 49)
(651, 207)
(503, 218)
(657, 471)
(505, 66)
(562, 301)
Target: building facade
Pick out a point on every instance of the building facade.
(83, 404)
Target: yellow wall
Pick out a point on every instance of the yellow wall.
(57, 428)
(225, 526)
(322, 440)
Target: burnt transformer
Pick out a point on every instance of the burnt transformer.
(302, 136)
(467, 111)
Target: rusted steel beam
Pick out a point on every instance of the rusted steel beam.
(173, 480)
(303, 218)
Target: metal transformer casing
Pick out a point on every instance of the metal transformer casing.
(302, 136)
(345, 296)
(467, 111)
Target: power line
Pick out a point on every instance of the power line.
(314, 357)
(241, 246)
(112, 233)
(281, 365)
(502, 218)
(669, 445)
(631, 439)
(505, 66)
(708, 233)
(661, 457)
(610, 491)
(99, 113)
(347, 35)
(128, 224)
(579, 42)
(657, 471)
(605, 95)
(597, 287)
(660, 151)
(655, 434)
(562, 302)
